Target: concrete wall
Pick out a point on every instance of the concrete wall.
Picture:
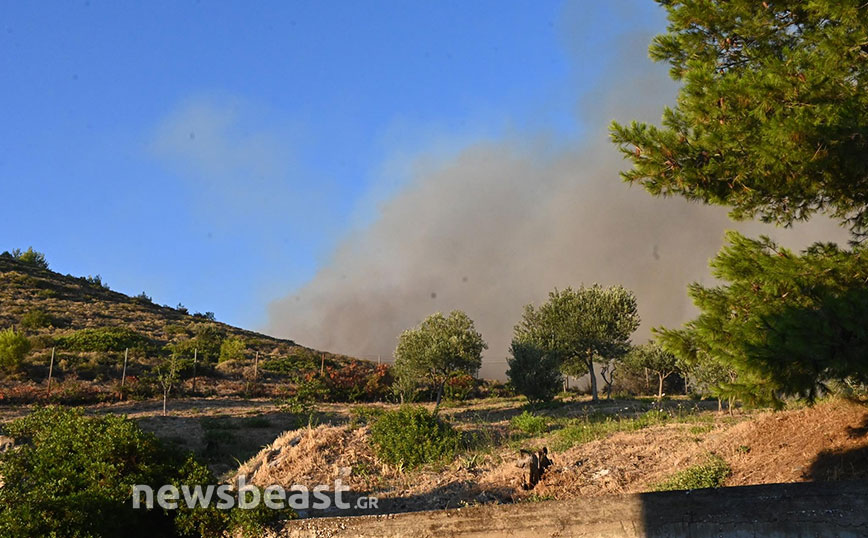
(774, 510)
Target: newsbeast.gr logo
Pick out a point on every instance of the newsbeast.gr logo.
(247, 496)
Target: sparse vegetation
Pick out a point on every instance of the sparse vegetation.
(583, 430)
(36, 319)
(710, 474)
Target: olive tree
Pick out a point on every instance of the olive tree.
(579, 325)
(437, 349)
(655, 359)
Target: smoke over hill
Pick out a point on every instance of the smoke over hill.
(503, 222)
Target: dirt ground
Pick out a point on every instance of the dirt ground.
(268, 445)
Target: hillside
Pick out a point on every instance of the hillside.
(91, 325)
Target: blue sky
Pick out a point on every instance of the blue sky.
(214, 153)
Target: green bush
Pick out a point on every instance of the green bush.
(412, 436)
(30, 256)
(13, 348)
(206, 341)
(36, 319)
(72, 475)
(533, 372)
(710, 474)
(104, 339)
(232, 349)
(308, 391)
(530, 424)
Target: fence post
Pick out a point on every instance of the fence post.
(50, 371)
(256, 367)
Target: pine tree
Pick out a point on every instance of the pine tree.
(772, 116)
(770, 121)
(784, 324)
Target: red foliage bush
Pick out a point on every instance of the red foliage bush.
(358, 381)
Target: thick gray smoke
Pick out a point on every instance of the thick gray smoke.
(505, 222)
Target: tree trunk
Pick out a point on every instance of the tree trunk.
(439, 397)
(660, 386)
(593, 380)
(165, 398)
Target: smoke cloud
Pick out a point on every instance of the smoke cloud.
(504, 222)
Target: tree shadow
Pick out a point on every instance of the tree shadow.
(842, 464)
(795, 509)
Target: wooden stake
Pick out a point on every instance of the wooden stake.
(124, 373)
(322, 365)
(256, 366)
(50, 371)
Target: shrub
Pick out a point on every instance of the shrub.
(412, 436)
(459, 387)
(143, 298)
(104, 339)
(358, 380)
(13, 348)
(96, 281)
(72, 475)
(232, 349)
(533, 372)
(309, 391)
(300, 360)
(206, 342)
(36, 319)
(530, 424)
(710, 474)
(31, 257)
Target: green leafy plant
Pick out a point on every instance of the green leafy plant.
(104, 339)
(13, 348)
(30, 256)
(412, 436)
(232, 348)
(72, 475)
(530, 424)
(533, 372)
(710, 474)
